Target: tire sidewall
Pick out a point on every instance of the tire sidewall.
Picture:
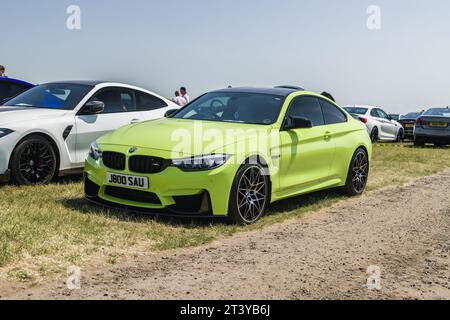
(16, 176)
(233, 212)
(350, 189)
(374, 135)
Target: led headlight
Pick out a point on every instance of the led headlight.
(200, 163)
(4, 132)
(95, 152)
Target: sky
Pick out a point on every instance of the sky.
(321, 45)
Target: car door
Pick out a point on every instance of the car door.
(306, 154)
(120, 110)
(151, 107)
(336, 122)
(389, 128)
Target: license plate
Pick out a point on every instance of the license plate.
(409, 125)
(124, 180)
(438, 124)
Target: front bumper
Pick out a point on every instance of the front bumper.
(172, 190)
(5, 177)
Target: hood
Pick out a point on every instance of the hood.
(188, 137)
(10, 115)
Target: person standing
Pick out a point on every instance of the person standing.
(184, 94)
(179, 100)
(2, 72)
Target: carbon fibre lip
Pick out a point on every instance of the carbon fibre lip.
(150, 212)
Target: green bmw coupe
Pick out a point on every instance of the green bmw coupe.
(231, 153)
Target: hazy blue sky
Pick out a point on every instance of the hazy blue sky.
(207, 44)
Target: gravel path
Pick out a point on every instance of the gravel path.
(404, 231)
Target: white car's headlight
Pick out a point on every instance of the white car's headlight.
(95, 152)
(200, 163)
(4, 132)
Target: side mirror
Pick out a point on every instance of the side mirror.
(93, 107)
(297, 123)
(169, 113)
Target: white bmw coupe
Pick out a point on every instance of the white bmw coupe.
(46, 131)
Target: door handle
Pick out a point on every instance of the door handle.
(327, 136)
(135, 121)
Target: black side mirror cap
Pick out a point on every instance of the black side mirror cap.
(93, 107)
(170, 113)
(292, 123)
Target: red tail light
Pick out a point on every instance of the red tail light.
(363, 120)
(420, 122)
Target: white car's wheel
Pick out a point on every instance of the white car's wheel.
(374, 135)
(33, 161)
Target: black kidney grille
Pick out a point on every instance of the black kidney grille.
(146, 164)
(114, 160)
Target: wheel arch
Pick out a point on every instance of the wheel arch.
(259, 159)
(48, 138)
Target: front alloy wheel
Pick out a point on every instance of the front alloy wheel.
(33, 162)
(358, 173)
(249, 194)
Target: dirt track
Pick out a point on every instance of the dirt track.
(405, 231)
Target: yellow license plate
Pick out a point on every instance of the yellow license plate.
(438, 124)
(409, 125)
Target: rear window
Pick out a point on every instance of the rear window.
(411, 115)
(438, 112)
(360, 111)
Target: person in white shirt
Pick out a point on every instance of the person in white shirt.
(2, 72)
(184, 94)
(179, 100)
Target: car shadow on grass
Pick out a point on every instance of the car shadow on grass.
(304, 203)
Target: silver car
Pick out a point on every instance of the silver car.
(433, 127)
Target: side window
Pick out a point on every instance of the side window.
(382, 114)
(374, 113)
(17, 89)
(331, 113)
(116, 100)
(307, 107)
(10, 90)
(147, 102)
(5, 90)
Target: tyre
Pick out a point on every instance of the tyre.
(400, 136)
(250, 195)
(358, 173)
(374, 135)
(418, 143)
(33, 161)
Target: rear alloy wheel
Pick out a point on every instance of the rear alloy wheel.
(374, 135)
(358, 173)
(33, 162)
(418, 143)
(400, 136)
(249, 195)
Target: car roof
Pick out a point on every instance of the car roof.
(81, 82)
(360, 106)
(16, 81)
(280, 91)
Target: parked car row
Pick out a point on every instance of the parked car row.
(432, 126)
(129, 161)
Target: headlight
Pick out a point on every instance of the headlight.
(200, 163)
(5, 132)
(95, 152)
